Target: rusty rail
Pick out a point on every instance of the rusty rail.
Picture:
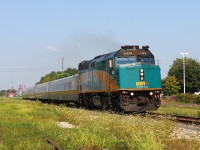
(56, 147)
(185, 119)
(188, 119)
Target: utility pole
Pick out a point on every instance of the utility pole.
(11, 82)
(62, 62)
(184, 69)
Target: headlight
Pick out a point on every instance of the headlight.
(132, 93)
(124, 92)
(151, 93)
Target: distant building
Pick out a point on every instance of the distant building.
(11, 93)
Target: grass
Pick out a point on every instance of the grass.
(24, 124)
(181, 109)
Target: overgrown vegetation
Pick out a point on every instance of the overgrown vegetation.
(181, 104)
(184, 98)
(58, 75)
(187, 98)
(24, 124)
(180, 109)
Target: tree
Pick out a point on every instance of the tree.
(57, 75)
(3, 93)
(192, 74)
(170, 85)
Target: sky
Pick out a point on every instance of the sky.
(35, 35)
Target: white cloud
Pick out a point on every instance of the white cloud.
(53, 49)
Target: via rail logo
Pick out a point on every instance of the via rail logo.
(142, 84)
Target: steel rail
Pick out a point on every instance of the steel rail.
(185, 119)
(56, 147)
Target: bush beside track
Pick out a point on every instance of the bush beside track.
(180, 105)
(183, 98)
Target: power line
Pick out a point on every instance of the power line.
(29, 69)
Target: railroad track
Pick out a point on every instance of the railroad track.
(184, 119)
(50, 141)
(188, 119)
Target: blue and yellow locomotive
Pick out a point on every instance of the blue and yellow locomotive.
(126, 79)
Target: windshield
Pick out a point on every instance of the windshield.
(146, 60)
(125, 60)
(133, 59)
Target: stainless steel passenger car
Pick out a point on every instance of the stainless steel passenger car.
(64, 89)
(42, 91)
(28, 93)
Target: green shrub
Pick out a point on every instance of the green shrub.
(187, 98)
(197, 99)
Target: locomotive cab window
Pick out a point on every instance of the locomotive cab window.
(146, 60)
(125, 60)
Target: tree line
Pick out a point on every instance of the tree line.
(58, 75)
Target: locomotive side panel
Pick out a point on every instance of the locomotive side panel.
(97, 81)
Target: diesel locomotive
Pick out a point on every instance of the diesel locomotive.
(126, 79)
